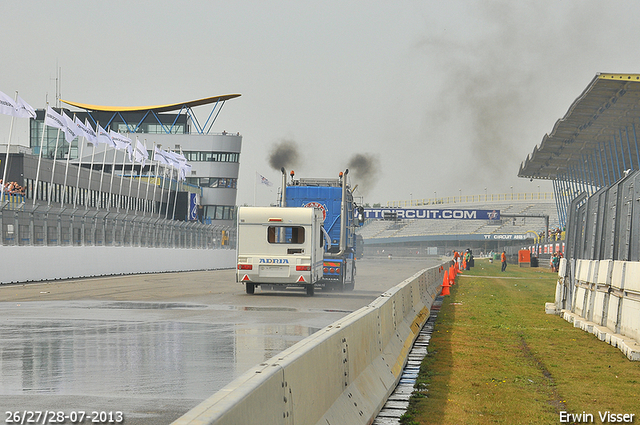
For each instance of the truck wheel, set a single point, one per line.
(250, 288)
(310, 290)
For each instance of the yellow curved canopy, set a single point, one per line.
(157, 108)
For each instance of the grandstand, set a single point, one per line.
(449, 234)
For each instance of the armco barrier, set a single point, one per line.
(602, 297)
(342, 374)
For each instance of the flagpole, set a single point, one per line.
(66, 170)
(93, 153)
(104, 159)
(75, 197)
(113, 166)
(53, 168)
(130, 178)
(6, 159)
(162, 192)
(144, 204)
(175, 199)
(155, 180)
(166, 210)
(255, 186)
(44, 130)
(164, 171)
(124, 159)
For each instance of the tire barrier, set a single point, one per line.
(341, 374)
(601, 297)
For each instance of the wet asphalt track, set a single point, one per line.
(153, 346)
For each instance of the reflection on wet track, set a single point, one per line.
(101, 357)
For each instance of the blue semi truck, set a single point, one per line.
(341, 215)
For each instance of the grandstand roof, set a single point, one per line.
(155, 108)
(604, 113)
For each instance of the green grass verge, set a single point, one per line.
(496, 357)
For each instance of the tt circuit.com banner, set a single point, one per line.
(430, 213)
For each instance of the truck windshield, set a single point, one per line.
(285, 234)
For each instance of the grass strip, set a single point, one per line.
(496, 357)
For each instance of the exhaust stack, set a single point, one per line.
(343, 213)
(283, 194)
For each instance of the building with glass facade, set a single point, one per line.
(214, 158)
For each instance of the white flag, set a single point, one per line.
(121, 141)
(72, 130)
(185, 170)
(54, 119)
(7, 105)
(262, 179)
(104, 137)
(87, 131)
(159, 155)
(139, 154)
(25, 110)
(174, 159)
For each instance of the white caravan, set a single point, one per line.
(279, 246)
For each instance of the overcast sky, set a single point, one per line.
(443, 97)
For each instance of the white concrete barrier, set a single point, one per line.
(342, 374)
(66, 262)
(606, 301)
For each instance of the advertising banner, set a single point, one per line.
(431, 214)
(193, 207)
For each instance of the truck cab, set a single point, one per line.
(335, 199)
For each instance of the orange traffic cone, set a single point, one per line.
(445, 283)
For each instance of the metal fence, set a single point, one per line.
(606, 225)
(25, 225)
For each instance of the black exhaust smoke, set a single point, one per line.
(366, 170)
(284, 154)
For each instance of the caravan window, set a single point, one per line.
(285, 234)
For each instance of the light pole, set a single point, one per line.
(411, 199)
(435, 197)
(512, 193)
(485, 194)
(460, 195)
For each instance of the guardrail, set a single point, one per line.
(342, 374)
(601, 297)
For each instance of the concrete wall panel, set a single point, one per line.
(606, 302)
(341, 374)
(630, 318)
(632, 277)
(617, 274)
(604, 272)
(66, 262)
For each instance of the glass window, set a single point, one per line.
(285, 234)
